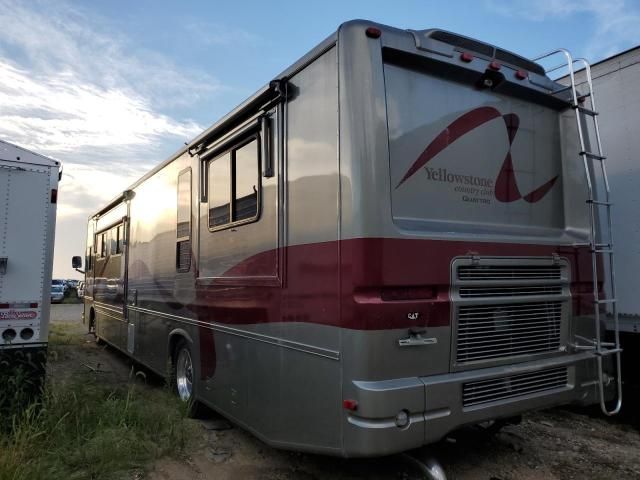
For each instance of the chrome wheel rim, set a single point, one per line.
(184, 375)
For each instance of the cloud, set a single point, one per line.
(64, 115)
(617, 21)
(74, 87)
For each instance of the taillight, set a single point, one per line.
(466, 57)
(350, 404)
(373, 32)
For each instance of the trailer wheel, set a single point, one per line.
(184, 376)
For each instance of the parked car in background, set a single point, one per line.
(72, 283)
(57, 293)
(60, 282)
(80, 289)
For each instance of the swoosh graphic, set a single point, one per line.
(506, 188)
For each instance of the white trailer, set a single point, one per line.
(28, 195)
(617, 81)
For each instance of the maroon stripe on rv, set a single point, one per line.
(366, 284)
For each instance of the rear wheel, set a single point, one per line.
(184, 377)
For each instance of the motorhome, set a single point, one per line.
(395, 237)
(28, 193)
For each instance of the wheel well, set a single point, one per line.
(174, 340)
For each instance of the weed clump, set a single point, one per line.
(91, 431)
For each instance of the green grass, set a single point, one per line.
(90, 430)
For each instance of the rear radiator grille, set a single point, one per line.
(521, 290)
(496, 389)
(510, 272)
(505, 330)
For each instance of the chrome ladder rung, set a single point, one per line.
(595, 156)
(607, 352)
(605, 301)
(586, 111)
(602, 250)
(600, 202)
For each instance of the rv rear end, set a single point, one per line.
(466, 271)
(28, 189)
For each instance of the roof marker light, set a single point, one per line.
(466, 57)
(350, 404)
(522, 74)
(373, 32)
(495, 66)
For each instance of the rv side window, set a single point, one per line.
(219, 190)
(101, 251)
(234, 186)
(113, 241)
(89, 260)
(119, 238)
(245, 196)
(183, 221)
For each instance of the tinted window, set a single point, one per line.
(245, 204)
(120, 238)
(219, 190)
(184, 205)
(113, 237)
(183, 223)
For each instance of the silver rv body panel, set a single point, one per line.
(320, 303)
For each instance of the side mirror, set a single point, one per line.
(76, 262)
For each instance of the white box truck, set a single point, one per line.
(28, 196)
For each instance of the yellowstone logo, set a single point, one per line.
(505, 187)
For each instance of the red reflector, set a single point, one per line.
(466, 57)
(54, 195)
(521, 74)
(350, 405)
(495, 66)
(33, 305)
(373, 32)
(4, 305)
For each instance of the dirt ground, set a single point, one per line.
(553, 444)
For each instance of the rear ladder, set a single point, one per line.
(599, 245)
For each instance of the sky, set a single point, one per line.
(113, 88)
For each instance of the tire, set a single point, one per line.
(184, 376)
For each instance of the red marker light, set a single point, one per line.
(373, 32)
(495, 66)
(466, 57)
(521, 74)
(350, 404)
(33, 305)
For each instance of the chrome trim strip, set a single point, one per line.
(107, 306)
(102, 312)
(280, 342)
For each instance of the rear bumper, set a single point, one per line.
(437, 405)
